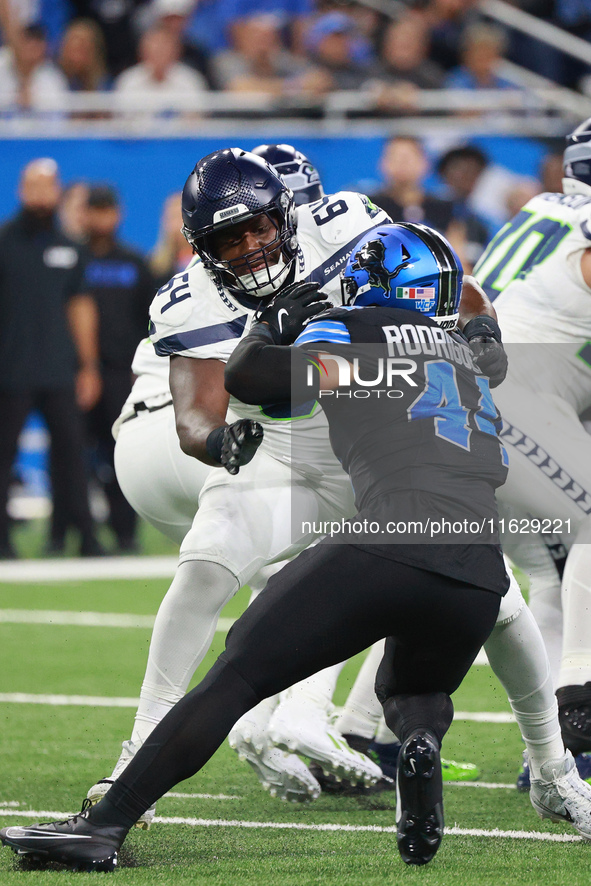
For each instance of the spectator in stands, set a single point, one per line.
(406, 66)
(160, 82)
(174, 16)
(214, 24)
(404, 166)
(52, 15)
(335, 46)
(171, 253)
(72, 211)
(82, 56)
(459, 169)
(259, 62)
(116, 19)
(48, 350)
(28, 78)
(123, 287)
(485, 188)
(483, 47)
(405, 53)
(446, 21)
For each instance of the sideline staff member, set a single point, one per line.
(48, 348)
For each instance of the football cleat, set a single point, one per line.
(292, 729)
(285, 776)
(419, 799)
(75, 842)
(574, 713)
(98, 790)
(583, 763)
(560, 794)
(385, 755)
(451, 770)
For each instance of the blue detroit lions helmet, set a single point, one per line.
(296, 171)
(406, 266)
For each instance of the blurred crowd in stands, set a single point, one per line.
(82, 297)
(158, 50)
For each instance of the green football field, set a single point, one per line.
(67, 693)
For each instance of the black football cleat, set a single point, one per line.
(76, 842)
(419, 794)
(574, 713)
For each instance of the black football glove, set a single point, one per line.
(235, 445)
(484, 338)
(290, 310)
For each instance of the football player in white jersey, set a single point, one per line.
(149, 447)
(241, 220)
(540, 262)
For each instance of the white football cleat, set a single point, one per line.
(285, 776)
(98, 790)
(560, 794)
(306, 729)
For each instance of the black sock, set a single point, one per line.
(406, 714)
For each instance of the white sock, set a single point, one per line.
(518, 657)
(183, 631)
(534, 559)
(576, 608)
(316, 691)
(362, 711)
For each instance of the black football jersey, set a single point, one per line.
(414, 424)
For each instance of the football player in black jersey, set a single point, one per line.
(429, 452)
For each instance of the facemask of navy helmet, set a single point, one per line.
(298, 173)
(227, 188)
(577, 161)
(406, 266)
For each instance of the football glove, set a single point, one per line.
(235, 445)
(291, 309)
(484, 337)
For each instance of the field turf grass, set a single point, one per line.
(52, 754)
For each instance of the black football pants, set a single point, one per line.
(330, 603)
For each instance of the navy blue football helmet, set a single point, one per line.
(577, 161)
(296, 171)
(229, 187)
(405, 266)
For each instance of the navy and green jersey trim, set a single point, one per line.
(197, 338)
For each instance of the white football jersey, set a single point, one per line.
(194, 317)
(535, 263)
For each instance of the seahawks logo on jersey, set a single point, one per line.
(370, 258)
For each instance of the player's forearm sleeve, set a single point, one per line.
(260, 371)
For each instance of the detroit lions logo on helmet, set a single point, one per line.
(370, 258)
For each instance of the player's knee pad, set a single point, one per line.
(512, 603)
(211, 583)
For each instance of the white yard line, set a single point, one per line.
(301, 826)
(87, 569)
(92, 701)
(88, 619)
